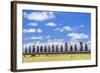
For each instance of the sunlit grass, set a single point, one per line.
(56, 57)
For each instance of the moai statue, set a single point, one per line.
(53, 48)
(33, 49)
(37, 49)
(71, 48)
(29, 49)
(49, 49)
(86, 47)
(57, 49)
(45, 48)
(81, 46)
(61, 48)
(66, 47)
(75, 47)
(26, 51)
(41, 48)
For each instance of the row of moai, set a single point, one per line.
(57, 48)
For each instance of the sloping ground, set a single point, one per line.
(56, 57)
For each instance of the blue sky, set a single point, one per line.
(44, 26)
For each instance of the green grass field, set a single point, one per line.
(56, 57)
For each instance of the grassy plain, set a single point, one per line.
(55, 57)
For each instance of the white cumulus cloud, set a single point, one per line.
(33, 24)
(82, 26)
(32, 30)
(39, 16)
(29, 30)
(51, 24)
(65, 28)
(61, 30)
(57, 29)
(36, 37)
(47, 36)
(77, 35)
(59, 40)
(25, 14)
(39, 30)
